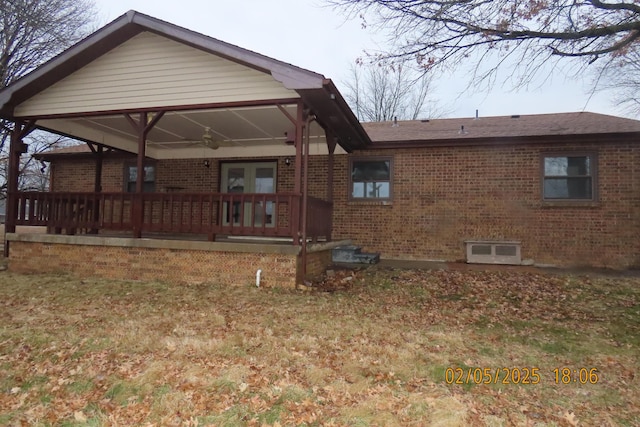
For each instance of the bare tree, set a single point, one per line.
(380, 93)
(621, 76)
(34, 174)
(32, 32)
(531, 33)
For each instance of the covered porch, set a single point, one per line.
(152, 93)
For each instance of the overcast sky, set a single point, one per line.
(309, 35)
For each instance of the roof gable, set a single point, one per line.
(128, 26)
(150, 71)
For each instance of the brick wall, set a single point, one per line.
(317, 263)
(444, 196)
(170, 265)
(185, 175)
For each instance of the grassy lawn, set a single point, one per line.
(381, 351)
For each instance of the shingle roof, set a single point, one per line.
(581, 123)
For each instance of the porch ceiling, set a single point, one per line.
(179, 134)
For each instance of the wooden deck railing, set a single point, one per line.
(199, 213)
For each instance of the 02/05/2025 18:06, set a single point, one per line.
(519, 375)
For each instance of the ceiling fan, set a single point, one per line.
(208, 140)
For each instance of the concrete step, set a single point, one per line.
(351, 254)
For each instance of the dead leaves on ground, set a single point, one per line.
(366, 351)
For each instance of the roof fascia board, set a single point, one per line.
(329, 102)
(508, 140)
(333, 92)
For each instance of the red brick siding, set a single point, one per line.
(444, 196)
(183, 175)
(317, 264)
(170, 265)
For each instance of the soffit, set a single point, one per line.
(258, 131)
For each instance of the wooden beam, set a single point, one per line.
(305, 199)
(286, 113)
(143, 126)
(138, 204)
(16, 149)
(12, 180)
(172, 108)
(97, 183)
(297, 180)
(154, 121)
(331, 145)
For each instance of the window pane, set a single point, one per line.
(567, 166)
(377, 189)
(371, 170)
(371, 179)
(264, 180)
(358, 189)
(567, 188)
(149, 173)
(235, 180)
(149, 178)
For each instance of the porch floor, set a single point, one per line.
(22, 229)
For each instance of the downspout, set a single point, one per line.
(305, 194)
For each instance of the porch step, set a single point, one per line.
(351, 254)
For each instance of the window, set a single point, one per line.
(131, 175)
(568, 177)
(371, 178)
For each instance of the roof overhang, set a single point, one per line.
(241, 124)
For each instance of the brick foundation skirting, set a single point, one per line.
(173, 265)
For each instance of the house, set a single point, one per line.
(254, 169)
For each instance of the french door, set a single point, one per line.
(240, 178)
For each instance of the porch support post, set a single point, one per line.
(297, 180)
(16, 148)
(143, 127)
(98, 150)
(138, 208)
(305, 198)
(331, 146)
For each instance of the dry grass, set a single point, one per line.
(98, 352)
